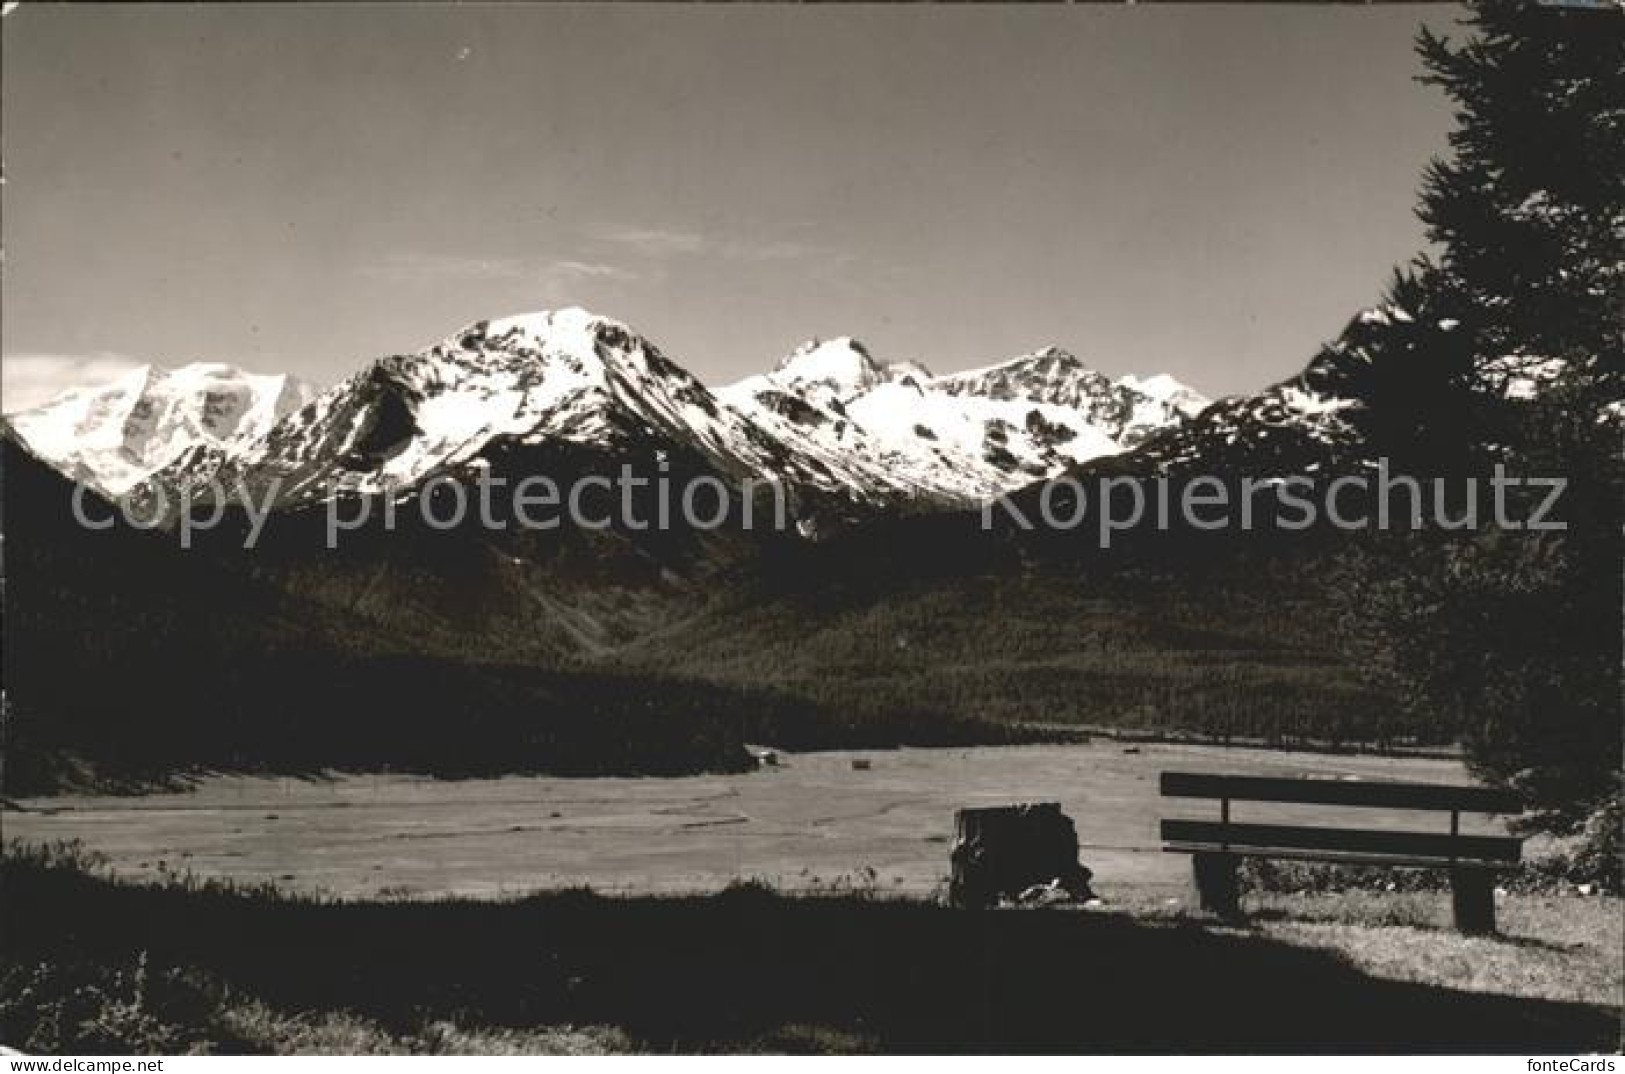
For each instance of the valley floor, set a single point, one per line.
(788, 909)
(814, 822)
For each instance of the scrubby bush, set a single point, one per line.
(84, 1008)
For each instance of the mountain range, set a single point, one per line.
(831, 423)
(625, 649)
(860, 446)
(850, 437)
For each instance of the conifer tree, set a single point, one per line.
(1528, 208)
(1515, 636)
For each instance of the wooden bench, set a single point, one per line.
(1217, 847)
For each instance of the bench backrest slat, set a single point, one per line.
(1255, 837)
(1380, 794)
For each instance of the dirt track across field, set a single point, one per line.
(815, 822)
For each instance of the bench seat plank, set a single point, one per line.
(1258, 838)
(1375, 793)
(1330, 857)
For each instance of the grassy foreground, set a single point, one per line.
(94, 965)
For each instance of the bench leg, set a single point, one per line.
(1472, 898)
(1217, 886)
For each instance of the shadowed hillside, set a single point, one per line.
(1197, 637)
(127, 659)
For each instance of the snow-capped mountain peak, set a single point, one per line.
(1050, 375)
(113, 436)
(842, 365)
(830, 371)
(560, 377)
(1162, 387)
(967, 435)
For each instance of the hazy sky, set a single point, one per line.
(1209, 191)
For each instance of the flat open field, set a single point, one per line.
(756, 971)
(815, 822)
